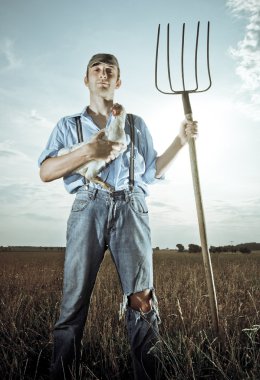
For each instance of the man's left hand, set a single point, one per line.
(188, 129)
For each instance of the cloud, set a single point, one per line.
(18, 193)
(163, 206)
(8, 55)
(7, 151)
(21, 190)
(32, 212)
(34, 115)
(247, 54)
(245, 212)
(34, 216)
(240, 6)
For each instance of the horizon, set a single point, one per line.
(154, 248)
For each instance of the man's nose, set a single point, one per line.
(103, 74)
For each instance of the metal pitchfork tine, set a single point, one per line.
(193, 157)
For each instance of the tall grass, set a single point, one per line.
(30, 293)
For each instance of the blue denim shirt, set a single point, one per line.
(117, 172)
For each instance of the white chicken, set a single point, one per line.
(115, 133)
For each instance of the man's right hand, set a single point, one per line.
(100, 149)
(97, 149)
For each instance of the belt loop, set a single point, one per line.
(126, 195)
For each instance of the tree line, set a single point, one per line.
(243, 248)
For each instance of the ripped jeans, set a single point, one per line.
(119, 221)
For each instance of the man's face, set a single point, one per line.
(102, 79)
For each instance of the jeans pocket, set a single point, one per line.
(138, 204)
(80, 205)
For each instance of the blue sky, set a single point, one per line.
(44, 49)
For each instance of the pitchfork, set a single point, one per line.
(184, 92)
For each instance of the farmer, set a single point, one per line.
(116, 219)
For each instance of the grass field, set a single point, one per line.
(31, 284)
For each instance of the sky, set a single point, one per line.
(44, 50)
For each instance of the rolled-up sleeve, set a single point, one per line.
(54, 144)
(149, 154)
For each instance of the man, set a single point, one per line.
(101, 219)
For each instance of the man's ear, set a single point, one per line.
(86, 80)
(118, 83)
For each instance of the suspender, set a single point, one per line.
(79, 129)
(130, 120)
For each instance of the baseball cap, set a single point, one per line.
(109, 59)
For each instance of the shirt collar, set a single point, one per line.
(85, 114)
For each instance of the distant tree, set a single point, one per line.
(251, 246)
(244, 250)
(180, 247)
(194, 248)
(231, 248)
(157, 249)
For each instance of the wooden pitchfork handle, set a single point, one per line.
(201, 218)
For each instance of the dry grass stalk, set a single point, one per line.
(30, 294)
